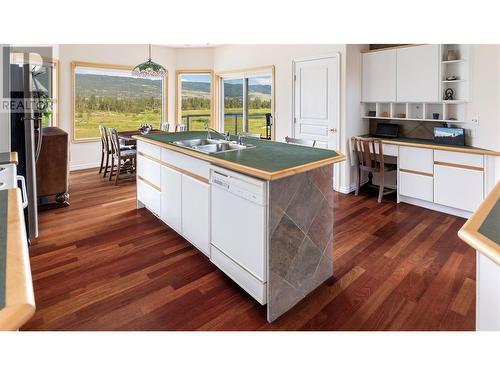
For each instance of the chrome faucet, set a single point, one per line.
(225, 136)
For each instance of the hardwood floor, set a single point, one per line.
(100, 264)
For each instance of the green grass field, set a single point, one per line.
(87, 124)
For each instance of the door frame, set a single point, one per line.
(336, 169)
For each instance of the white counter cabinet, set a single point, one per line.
(175, 188)
(196, 212)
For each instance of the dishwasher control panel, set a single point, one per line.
(243, 186)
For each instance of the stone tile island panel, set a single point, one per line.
(300, 237)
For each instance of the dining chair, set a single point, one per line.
(300, 141)
(164, 126)
(104, 149)
(181, 128)
(125, 158)
(247, 134)
(370, 156)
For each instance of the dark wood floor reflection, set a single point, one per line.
(100, 264)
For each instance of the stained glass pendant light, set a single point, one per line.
(149, 69)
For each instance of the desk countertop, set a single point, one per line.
(429, 143)
(482, 230)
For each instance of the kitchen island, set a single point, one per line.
(262, 211)
(482, 232)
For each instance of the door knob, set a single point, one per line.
(333, 130)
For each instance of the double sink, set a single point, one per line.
(212, 146)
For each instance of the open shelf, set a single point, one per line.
(411, 119)
(423, 112)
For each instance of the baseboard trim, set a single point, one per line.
(77, 167)
(435, 207)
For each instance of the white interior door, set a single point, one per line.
(316, 102)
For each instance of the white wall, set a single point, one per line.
(86, 155)
(194, 58)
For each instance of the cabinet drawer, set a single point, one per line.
(252, 285)
(416, 186)
(389, 150)
(416, 159)
(149, 170)
(7, 176)
(149, 149)
(459, 158)
(185, 162)
(458, 187)
(149, 196)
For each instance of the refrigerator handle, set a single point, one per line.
(23, 190)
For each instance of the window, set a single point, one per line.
(111, 96)
(247, 102)
(45, 78)
(194, 99)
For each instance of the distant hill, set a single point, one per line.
(121, 87)
(230, 90)
(124, 87)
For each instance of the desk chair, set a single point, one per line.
(371, 159)
(299, 141)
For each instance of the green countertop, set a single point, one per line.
(267, 156)
(490, 228)
(3, 244)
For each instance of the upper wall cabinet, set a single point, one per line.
(379, 76)
(418, 74)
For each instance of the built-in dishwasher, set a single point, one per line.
(238, 229)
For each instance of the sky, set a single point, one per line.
(104, 71)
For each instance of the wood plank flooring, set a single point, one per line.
(100, 264)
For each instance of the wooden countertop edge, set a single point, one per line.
(19, 296)
(13, 159)
(469, 231)
(245, 169)
(439, 147)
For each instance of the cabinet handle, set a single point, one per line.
(333, 130)
(2, 169)
(2, 184)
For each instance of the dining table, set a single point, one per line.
(126, 136)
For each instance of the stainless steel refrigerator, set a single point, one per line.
(24, 124)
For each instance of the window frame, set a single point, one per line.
(86, 64)
(178, 99)
(243, 73)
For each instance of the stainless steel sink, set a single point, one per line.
(191, 143)
(212, 146)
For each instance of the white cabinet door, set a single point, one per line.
(379, 76)
(418, 74)
(171, 193)
(458, 187)
(196, 213)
